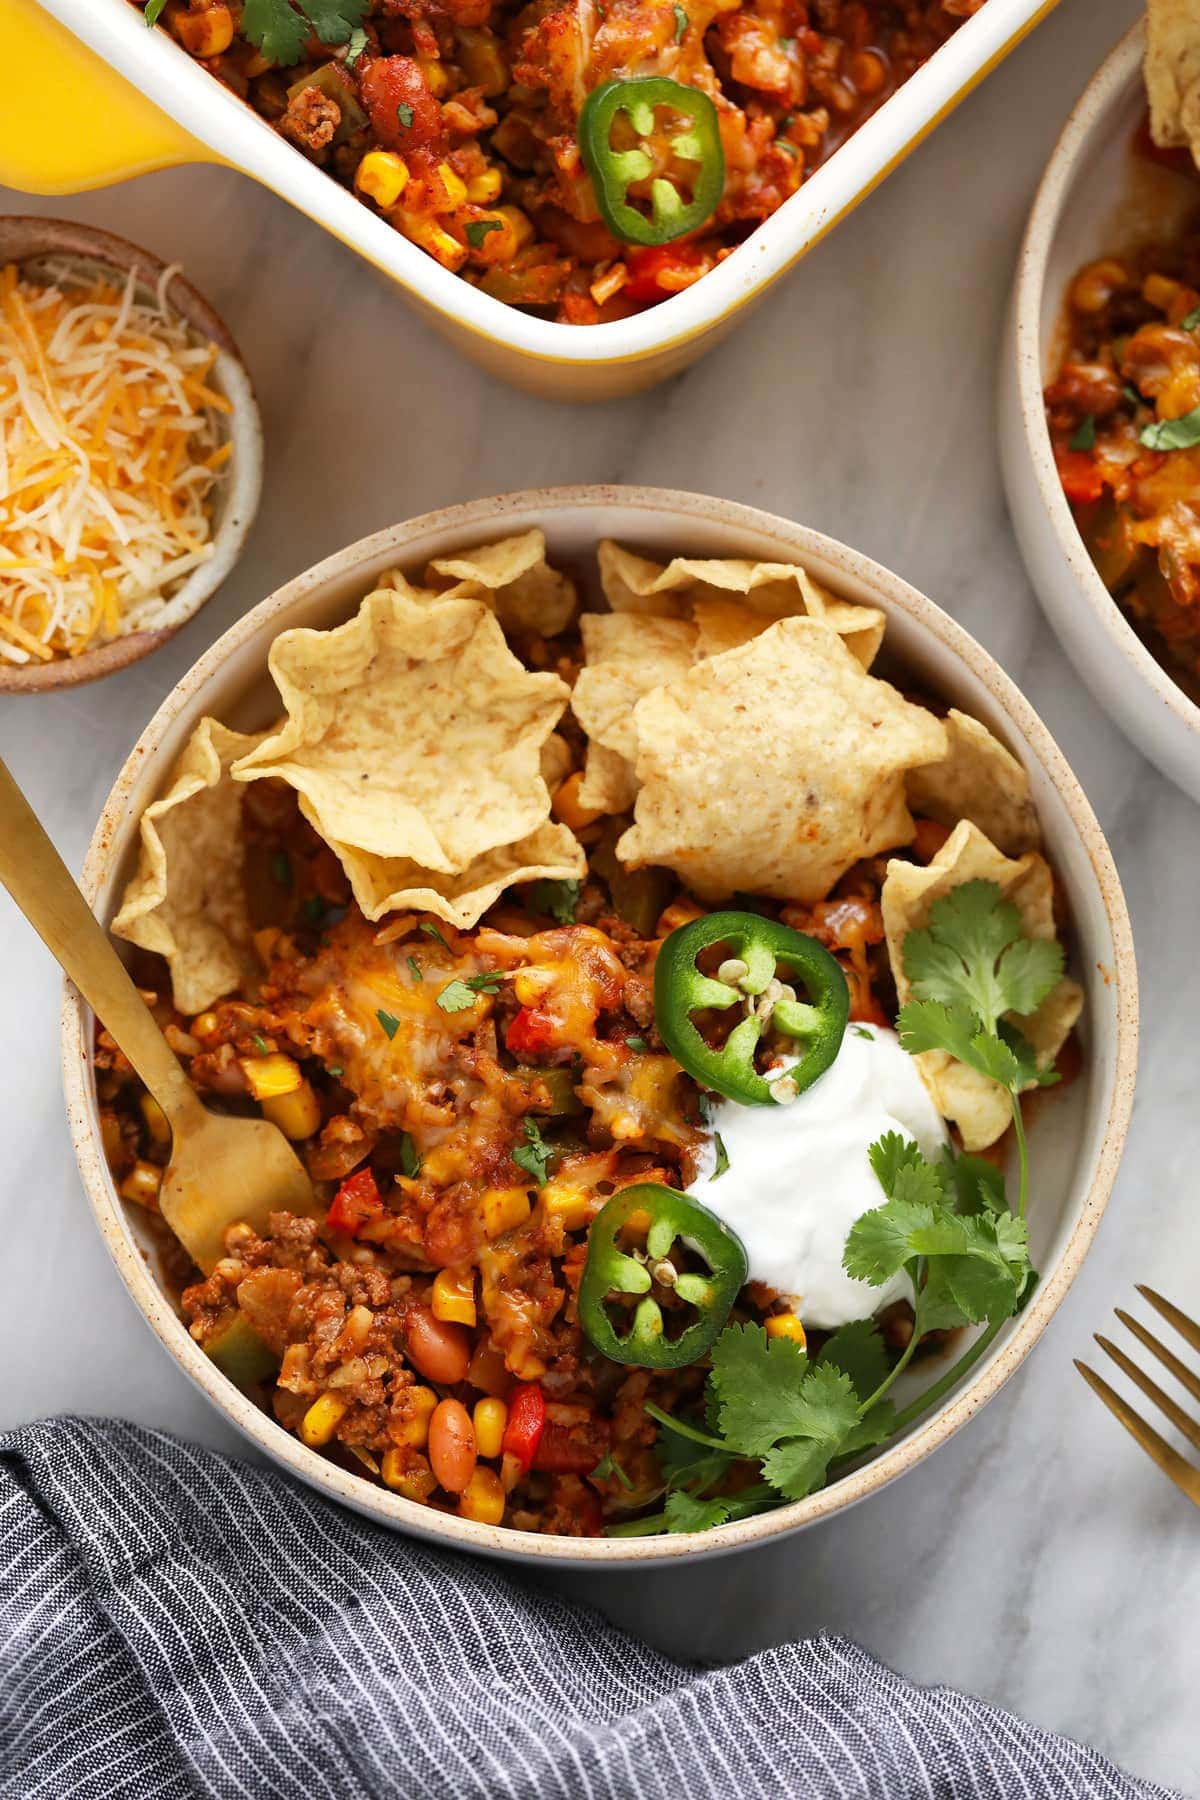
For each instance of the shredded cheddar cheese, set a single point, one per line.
(111, 443)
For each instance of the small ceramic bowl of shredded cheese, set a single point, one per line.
(130, 453)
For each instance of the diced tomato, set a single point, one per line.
(530, 1031)
(356, 1202)
(403, 111)
(572, 1449)
(1080, 475)
(664, 269)
(526, 1423)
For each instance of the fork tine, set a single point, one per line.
(1187, 1328)
(1189, 1427)
(1167, 1358)
(1181, 1472)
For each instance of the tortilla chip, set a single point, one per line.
(979, 1107)
(556, 761)
(515, 578)
(978, 780)
(186, 901)
(627, 654)
(1173, 73)
(769, 590)
(774, 767)
(393, 884)
(413, 732)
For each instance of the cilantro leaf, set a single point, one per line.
(410, 1157)
(334, 20)
(390, 1023)
(931, 1025)
(608, 1468)
(534, 1154)
(755, 1381)
(873, 1428)
(557, 899)
(1190, 320)
(722, 1162)
(892, 1155)
(456, 996)
(404, 113)
(433, 932)
(154, 11)
(355, 45)
(1173, 434)
(260, 1044)
(276, 29)
(1084, 437)
(978, 1184)
(798, 1467)
(684, 1463)
(681, 21)
(638, 1045)
(880, 1243)
(476, 231)
(684, 1512)
(859, 1352)
(414, 968)
(972, 956)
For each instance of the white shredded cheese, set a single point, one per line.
(111, 442)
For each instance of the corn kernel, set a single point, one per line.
(207, 33)
(454, 1296)
(415, 1429)
(382, 176)
(485, 187)
(156, 1119)
(142, 1184)
(322, 1419)
(445, 1163)
(786, 1325)
(566, 807)
(530, 984)
(483, 1498)
(680, 912)
(453, 183)
(436, 78)
(504, 1209)
(297, 1115)
(481, 61)
(567, 1202)
(269, 1076)
(414, 1482)
(520, 227)
(112, 1139)
(430, 236)
(489, 1419)
(204, 1024)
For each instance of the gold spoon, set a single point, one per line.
(221, 1169)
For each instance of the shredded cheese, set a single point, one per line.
(111, 444)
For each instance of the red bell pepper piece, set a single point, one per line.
(1080, 476)
(664, 269)
(529, 1032)
(526, 1423)
(356, 1202)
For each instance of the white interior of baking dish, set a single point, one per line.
(1076, 1137)
(156, 65)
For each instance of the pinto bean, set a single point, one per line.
(438, 1350)
(452, 1446)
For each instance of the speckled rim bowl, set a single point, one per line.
(28, 240)
(1076, 1142)
(1093, 201)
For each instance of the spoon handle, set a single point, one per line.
(42, 886)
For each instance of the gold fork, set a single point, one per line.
(1183, 1473)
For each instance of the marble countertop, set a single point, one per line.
(1038, 1559)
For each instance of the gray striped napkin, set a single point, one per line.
(174, 1624)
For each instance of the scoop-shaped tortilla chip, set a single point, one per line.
(527, 594)
(627, 654)
(394, 884)
(186, 901)
(768, 591)
(1173, 73)
(978, 779)
(772, 768)
(979, 1107)
(412, 733)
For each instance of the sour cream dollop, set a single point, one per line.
(799, 1175)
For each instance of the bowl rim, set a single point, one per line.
(27, 238)
(990, 1373)
(238, 138)
(1104, 92)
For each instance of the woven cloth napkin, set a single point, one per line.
(174, 1624)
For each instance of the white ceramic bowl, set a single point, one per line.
(235, 499)
(1076, 1140)
(1095, 199)
(89, 127)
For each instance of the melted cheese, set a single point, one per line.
(110, 445)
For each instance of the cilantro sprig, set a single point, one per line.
(458, 994)
(534, 1154)
(969, 968)
(280, 29)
